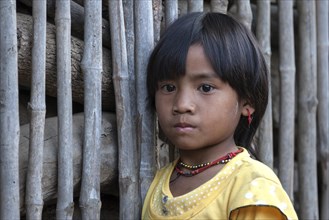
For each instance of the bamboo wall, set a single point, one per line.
(293, 136)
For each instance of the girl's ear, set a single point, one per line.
(247, 107)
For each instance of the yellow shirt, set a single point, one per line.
(243, 189)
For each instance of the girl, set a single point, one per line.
(207, 80)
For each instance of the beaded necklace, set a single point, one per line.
(196, 169)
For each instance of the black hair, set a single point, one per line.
(233, 53)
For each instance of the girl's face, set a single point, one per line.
(198, 110)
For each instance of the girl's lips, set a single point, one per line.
(183, 127)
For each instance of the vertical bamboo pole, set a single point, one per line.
(146, 124)
(323, 96)
(171, 11)
(9, 117)
(244, 12)
(130, 203)
(287, 95)
(195, 5)
(183, 7)
(37, 106)
(128, 9)
(92, 68)
(307, 104)
(129, 107)
(128, 14)
(219, 6)
(263, 33)
(157, 14)
(65, 205)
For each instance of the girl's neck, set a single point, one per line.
(206, 154)
(181, 184)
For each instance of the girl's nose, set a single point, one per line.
(183, 103)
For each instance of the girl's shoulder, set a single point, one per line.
(250, 169)
(256, 184)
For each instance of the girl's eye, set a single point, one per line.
(168, 88)
(206, 88)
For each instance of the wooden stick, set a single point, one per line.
(37, 106)
(130, 202)
(219, 6)
(244, 13)
(92, 68)
(65, 205)
(323, 117)
(157, 14)
(287, 71)
(307, 104)
(171, 11)
(9, 118)
(109, 149)
(146, 126)
(263, 31)
(77, 20)
(25, 41)
(195, 5)
(128, 8)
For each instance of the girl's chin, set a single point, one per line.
(188, 148)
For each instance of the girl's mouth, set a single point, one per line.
(183, 127)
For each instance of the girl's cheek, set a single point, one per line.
(236, 109)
